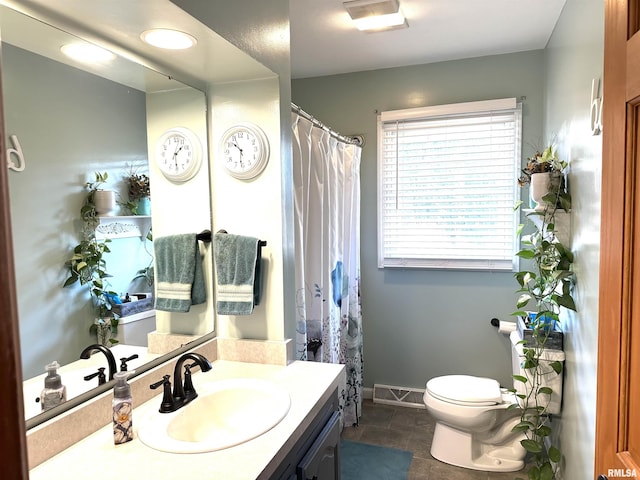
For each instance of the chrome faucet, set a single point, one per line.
(183, 393)
(86, 353)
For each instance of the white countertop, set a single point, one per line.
(308, 383)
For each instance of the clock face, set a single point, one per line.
(245, 151)
(178, 154)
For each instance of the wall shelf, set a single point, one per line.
(123, 227)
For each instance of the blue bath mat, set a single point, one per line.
(360, 461)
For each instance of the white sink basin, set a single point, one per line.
(226, 413)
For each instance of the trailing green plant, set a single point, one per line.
(147, 273)
(547, 288)
(87, 265)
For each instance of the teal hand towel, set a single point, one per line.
(237, 273)
(179, 274)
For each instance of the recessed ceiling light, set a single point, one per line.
(168, 39)
(87, 53)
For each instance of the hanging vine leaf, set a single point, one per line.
(554, 454)
(531, 445)
(557, 367)
(546, 472)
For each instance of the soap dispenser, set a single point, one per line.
(54, 392)
(122, 409)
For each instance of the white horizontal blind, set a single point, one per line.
(447, 186)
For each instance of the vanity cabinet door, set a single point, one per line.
(311, 440)
(322, 460)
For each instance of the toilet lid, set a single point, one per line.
(465, 390)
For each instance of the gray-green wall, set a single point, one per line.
(573, 58)
(419, 324)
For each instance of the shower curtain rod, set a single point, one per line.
(355, 140)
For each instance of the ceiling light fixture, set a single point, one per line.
(87, 53)
(375, 15)
(168, 39)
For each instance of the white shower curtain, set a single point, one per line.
(327, 226)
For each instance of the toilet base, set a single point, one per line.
(458, 448)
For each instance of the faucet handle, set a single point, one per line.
(167, 405)
(124, 360)
(189, 390)
(102, 378)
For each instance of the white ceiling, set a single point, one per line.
(325, 42)
(323, 39)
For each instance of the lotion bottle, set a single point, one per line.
(54, 392)
(122, 409)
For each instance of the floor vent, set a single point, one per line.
(403, 396)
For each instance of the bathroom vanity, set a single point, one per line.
(304, 444)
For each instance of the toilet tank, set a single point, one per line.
(550, 379)
(134, 329)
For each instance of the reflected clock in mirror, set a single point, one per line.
(179, 154)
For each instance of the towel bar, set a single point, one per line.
(204, 236)
(261, 243)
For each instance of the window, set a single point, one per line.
(447, 185)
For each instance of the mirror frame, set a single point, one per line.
(13, 431)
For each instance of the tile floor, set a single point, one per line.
(412, 429)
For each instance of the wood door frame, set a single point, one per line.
(617, 239)
(12, 424)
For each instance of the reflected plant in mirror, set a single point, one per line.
(138, 191)
(88, 266)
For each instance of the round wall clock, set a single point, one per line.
(245, 151)
(179, 154)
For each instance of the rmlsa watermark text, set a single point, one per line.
(621, 473)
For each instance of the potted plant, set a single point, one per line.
(545, 172)
(102, 202)
(87, 266)
(546, 288)
(139, 193)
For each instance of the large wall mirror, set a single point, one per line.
(65, 122)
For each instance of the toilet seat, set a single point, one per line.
(465, 390)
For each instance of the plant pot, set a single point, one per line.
(555, 341)
(540, 183)
(105, 202)
(143, 206)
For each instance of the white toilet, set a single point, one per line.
(474, 421)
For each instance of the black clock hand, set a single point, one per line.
(238, 147)
(175, 156)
